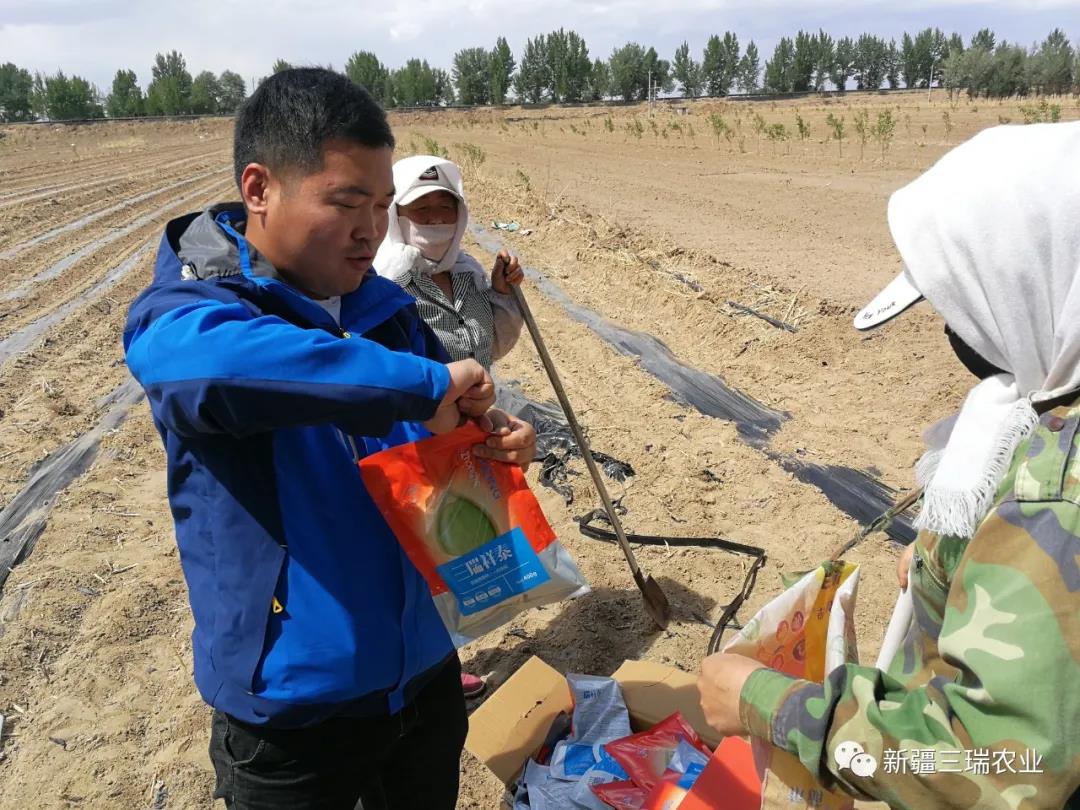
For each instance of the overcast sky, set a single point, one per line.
(95, 37)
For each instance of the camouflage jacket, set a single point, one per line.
(981, 706)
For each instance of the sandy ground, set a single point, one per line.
(95, 659)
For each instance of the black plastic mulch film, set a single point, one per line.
(856, 493)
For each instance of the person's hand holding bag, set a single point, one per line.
(471, 393)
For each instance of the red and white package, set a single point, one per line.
(645, 756)
(621, 795)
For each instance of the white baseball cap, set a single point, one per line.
(430, 180)
(900, 295)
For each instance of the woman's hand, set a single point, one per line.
(510, 439)
(506, 271)
(720, 684)
(903, 565)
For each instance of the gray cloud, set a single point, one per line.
(95, 37)
(17, 13)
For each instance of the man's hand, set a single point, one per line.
(446, 418)
(477, 400)
(720, 683)
(511, 439)
(470, 393)
(506, 271)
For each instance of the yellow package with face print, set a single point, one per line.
(473, 529)
(806, 632)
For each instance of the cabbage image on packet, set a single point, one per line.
(473, 529)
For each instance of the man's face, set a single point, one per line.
(321, 230)
(435, 208)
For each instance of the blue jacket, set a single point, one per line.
(305, 605)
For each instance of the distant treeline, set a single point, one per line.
(557, 68)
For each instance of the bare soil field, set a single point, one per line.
(655, 228)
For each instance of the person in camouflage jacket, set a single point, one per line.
(980, 707)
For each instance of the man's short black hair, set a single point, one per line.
(289, 118)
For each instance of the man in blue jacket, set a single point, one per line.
(274, 358)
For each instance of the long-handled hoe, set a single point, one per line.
(656, 601)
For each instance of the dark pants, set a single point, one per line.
(398, 762)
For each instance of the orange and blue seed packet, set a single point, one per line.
(473, 529)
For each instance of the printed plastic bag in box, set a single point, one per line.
(807, 631)
(474, 530)
(599, 716)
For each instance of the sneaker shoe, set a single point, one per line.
(471, 685)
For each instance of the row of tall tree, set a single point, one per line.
(930, 58)
(556, 67)
(721, 68)
(415, 83)
(1001, 69)
(172, 91)
(24, 97)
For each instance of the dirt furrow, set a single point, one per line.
(25, 222)
(64, 161)
(15, 271)
(150, 167)
(83, 221)
(22, 339)
(54, 285)
(58, 268)
(24, 519)
(74, 358)
(49, 387)
(832, 381)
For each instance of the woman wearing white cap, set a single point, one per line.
(470, 310)
(980, 707)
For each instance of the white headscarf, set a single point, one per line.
(395, 258)
(991, 237)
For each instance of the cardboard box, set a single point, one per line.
(511, 724)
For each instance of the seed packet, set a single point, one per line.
(622, 795)
(473, 529)
(599, 715)
(648, 754)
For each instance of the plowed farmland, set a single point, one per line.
(658, 225)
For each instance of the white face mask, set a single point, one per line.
(432, 240)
